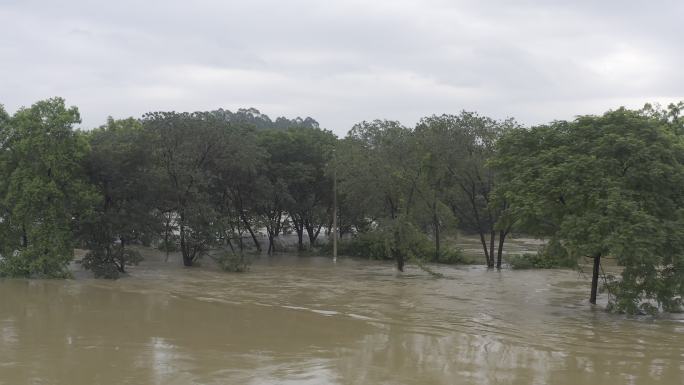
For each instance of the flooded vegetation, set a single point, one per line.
(414, 192)
(207, 250)
(307, 320)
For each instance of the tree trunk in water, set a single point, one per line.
(483, 240)
(187, 261)
(166, 241)
(108, 255)
(492, 238)
(502, 238)
(300, 239)
(313, 233)
(271, 246)
(594, 279)
(399, 256)
(398, 253)
(251, 232)
(24, 237)
(328, 229)
(230, 244)
(299, 229)
(435, 223)
(185, 251)
(312, 236)
(241, 245)
(122, 266)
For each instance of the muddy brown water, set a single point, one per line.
(306, 320)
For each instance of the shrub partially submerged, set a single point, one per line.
(27, 264)
(538, 261)
(108, 263)
(169, 245)
(552, 256)
(623, 297)
(377, 245)
(371, 245)
(233, 262)
(453, 257)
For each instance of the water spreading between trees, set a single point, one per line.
(210, 183)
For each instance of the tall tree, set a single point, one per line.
(457, 149)
(45, 191)
(120, 167)
(274, 199)
(605, 186)
(377, 170)
(188, 147)
(234, 189)
(304, 155)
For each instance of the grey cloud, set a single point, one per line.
(342, 61)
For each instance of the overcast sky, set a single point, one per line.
(342, 62)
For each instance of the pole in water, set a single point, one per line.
(335, 215)
(594, 278)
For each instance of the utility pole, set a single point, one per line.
(335, 214)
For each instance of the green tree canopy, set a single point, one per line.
(188, 148)
(378, 171)
(456, 149)
(607, 185)
(120, 167)
(45, 191)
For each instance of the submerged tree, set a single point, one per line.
(188, 147)
(457, 149)
(605, 186)
(378, 171)
(121, 168)
(300, 155)
(233, 188)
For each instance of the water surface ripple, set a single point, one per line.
(308, 321)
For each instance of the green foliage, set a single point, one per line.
(109, 263)
(100, 267)
(538, 261)
(170, 245)
(430, 179)
(43, 190)
(378, 171)
(188, 149)
(378, 245)
(120, 168)
(621, 299)
(23, 264)
(234, 262)
(452, 257)
(370, 245)
(304, 156)
(406, 238)
(455, 150)
(552, 256)
(253, 117)
(605, 185)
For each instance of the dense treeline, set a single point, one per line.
(605, 186)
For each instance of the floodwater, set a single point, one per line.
(308, 320)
